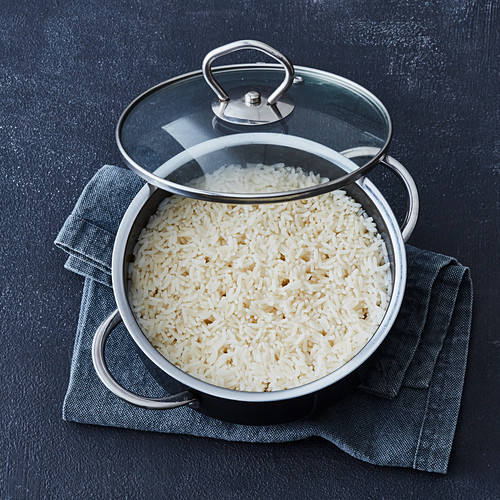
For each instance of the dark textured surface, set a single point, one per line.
(67, 69)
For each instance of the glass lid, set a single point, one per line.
(253, 133)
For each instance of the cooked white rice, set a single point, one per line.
(259, 297)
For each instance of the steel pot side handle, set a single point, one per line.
(98, 358)
(413, 206)
(396, 167)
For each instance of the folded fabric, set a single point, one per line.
(404, 413)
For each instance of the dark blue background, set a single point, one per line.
(68, 69)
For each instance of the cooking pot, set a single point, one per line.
(177, 132)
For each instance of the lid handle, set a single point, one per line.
(243, 45)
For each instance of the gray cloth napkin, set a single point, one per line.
(404, 413)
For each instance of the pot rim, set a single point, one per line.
(398, 287)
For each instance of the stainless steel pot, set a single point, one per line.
(246, 407)
(308, 118)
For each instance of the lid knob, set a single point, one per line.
(249, 107)
(252, 97)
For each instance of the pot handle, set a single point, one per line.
(98, 358)
(242, 45)
(389, 162)
(413, 205)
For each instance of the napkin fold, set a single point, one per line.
(403, 414)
